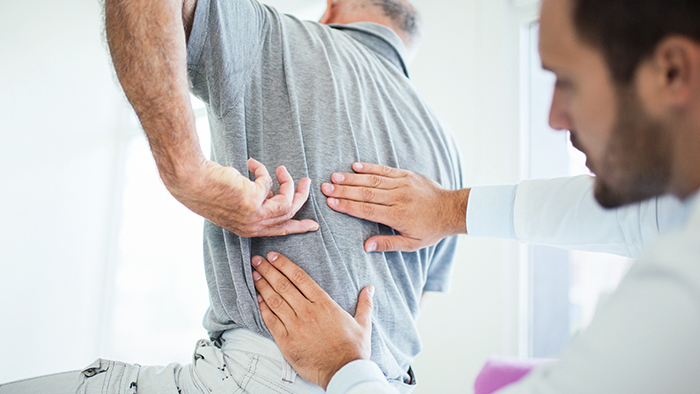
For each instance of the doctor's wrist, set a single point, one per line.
(455, 211)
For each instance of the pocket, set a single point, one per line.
(405, 387)
(212, 373)
(109, 377)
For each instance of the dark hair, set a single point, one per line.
(402, 13)
(628, 31)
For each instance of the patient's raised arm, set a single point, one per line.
(418, 208)
(147, 41)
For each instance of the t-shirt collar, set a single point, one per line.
(380, 39)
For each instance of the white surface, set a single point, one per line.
(62, 127)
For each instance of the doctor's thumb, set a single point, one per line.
(391, 243)
(365, 304)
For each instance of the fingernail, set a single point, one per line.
(358, 166)
(256, 276)
(272, 256)
(371, 247)
(338, 178)
(333, 201)
(370, 291)
(256, 260)
(328, 188)
(260, 299)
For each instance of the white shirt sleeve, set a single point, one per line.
(360, 377)
(563, 212)
(644, 338)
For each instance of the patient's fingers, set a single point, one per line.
(286, 227)
(279, 282)
(376, 196)
(373, 212)
(299, 278)
(262, 176)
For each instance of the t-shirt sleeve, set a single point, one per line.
(225, 44)
(440, 271)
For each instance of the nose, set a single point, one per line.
(558, 116)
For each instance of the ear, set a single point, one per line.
(328, 15)
(677, 65)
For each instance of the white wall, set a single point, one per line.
(59, 167)
(64, 125)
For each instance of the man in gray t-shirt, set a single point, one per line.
(317, 98)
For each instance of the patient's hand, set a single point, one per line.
(248, 209)
(315, 335)
(418, 208)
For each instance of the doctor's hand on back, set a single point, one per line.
(316, 336)
(417, 207)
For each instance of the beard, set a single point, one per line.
(637, 162)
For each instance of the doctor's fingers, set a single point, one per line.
(281, 282)
(273, 323)
(378, 169)
(277, 304)
(367, 180)
(387, 215)
(366, 194)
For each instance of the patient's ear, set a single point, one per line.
(328, 15)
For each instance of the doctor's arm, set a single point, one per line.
(557, 212)
(322, 342)
(147, 41)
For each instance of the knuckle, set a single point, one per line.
(375, 181)
(270, 321)
(274, 302)
(299, 277)
(282, 286)
(385, 170)
(248, 207)
(388, 244)
(368, 210)
(367, 194)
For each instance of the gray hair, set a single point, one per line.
(403, 14)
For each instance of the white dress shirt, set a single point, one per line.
(646, 337)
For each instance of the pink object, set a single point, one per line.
(502, 371)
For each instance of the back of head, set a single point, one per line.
(400, 14)
(628, 31)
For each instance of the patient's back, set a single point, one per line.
(316, 99)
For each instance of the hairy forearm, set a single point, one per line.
(455, 211)
(147, 43)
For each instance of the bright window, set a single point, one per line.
(562, 287)
(159, 294)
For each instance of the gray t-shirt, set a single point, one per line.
(316, 99)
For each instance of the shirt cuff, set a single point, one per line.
(353, 374)
(490, 212)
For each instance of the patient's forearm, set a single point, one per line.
(147, 42)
